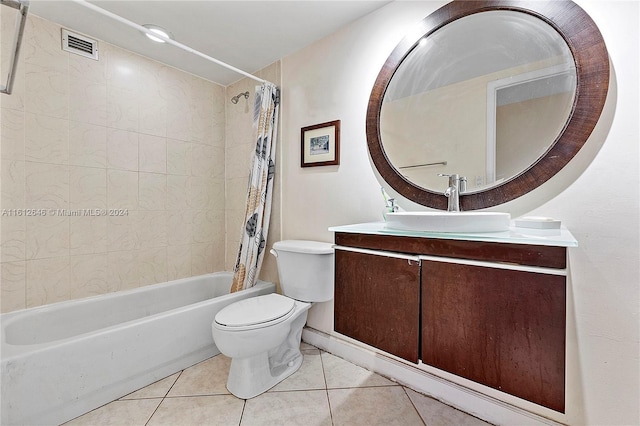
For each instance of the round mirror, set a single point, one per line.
(502, 93)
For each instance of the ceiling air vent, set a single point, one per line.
(80, 45)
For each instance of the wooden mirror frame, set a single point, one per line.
(592, 68)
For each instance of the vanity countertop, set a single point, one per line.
(515, 235)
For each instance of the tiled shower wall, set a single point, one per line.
(123, 133)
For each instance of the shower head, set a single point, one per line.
(235, 99)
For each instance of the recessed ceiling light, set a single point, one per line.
(158, 30)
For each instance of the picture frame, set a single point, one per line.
(320, 144)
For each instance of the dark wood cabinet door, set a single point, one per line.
(499, 327)
(377, 301)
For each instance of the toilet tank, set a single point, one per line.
(305, 269)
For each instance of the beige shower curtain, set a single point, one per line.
(259, 194)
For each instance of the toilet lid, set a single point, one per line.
(255, 310)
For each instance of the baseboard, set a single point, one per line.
(468, 400)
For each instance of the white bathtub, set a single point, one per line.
(62, 360)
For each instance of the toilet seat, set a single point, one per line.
(255, 312)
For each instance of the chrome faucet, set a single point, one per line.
(457, 184)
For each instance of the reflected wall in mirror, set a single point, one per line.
(486, 109)
(504, 93)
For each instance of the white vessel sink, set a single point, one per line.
(441, 221)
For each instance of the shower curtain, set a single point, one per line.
(260, 190)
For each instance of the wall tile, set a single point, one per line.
(177, 92)
(42, 44)
(47, 236)
(152, 265)
(202, 111)
(122, 189)
(13, 231)
(153, 115)
(178, 261)
(199, 192)
(46, 139)
(218, 135)
(16, 100)
(87, 234)
(178, 157)
(217, 163)
(201, 258)
(217, 198)
(238, 160)
(12, 190)
(236, 193)
(152, 189)
(218, 255)
(234, 230)
(12, 130)
(122, 149)
(202, 160)
(179, 227)
(203, 227)
(125, 133)
(88, 102)
(87, 145)
(47, 281)
(87, 188)
(88, 275)
(152, 154)
(122, 68)
(89, 70)
(153, 102)
(152, 229)
(88, 89)
(177, 192)
(7, 28)
(122, 108)
(122, 232)
(13, 289)
(47, 186)
(46, 91)
(122, 270)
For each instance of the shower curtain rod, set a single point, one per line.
(167, 40)
(23, 9)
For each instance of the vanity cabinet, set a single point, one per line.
(499, 327)
(379, 298)
(491, 312)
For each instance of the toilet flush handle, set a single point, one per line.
(273, 252)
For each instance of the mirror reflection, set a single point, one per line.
(485, 97)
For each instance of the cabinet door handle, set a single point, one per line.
(380, 253)
(496, 265)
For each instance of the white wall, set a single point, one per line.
(332, 79)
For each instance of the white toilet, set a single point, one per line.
(262, 334)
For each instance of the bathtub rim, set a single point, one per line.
(10, 351)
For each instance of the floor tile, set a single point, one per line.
(435, 413)
(158, 389)
(309, 376)
(198, 410)
(307, 408)
(386, 405)
(326, 390)
(305, 347)
(342, 374)
(131, 413)
(206, 378)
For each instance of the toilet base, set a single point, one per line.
(251, 376)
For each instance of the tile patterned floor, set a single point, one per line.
(326, 390)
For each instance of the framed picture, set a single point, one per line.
(320, 145)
